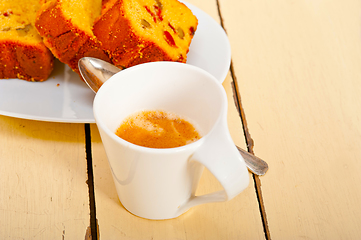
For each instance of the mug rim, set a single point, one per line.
(148, 149)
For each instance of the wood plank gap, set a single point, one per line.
(237, 98)
(248, 138)
(94, 229)
(250, 145)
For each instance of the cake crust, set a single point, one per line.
(119, 35)
(23, 54)
(127, 44)
(66, 41)
(125, 48)
(28, 62)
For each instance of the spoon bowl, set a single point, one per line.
(96, 71)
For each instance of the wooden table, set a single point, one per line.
(294, 92)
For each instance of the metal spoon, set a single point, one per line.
(96, 71)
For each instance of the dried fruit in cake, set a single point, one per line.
(66, 28)
(22, 52)
(123, 32)
(138, 31)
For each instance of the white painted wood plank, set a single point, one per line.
(298, 68)
(43, 173)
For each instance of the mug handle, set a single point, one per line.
(220, 156)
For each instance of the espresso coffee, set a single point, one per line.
(157, 129)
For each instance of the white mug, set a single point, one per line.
(161, 183)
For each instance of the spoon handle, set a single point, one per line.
(254, 164)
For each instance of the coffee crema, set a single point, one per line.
(157, 129)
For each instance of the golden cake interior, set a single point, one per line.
(168, 23)
(17, 20)
(82, 13)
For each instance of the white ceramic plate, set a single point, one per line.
(64, 97)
